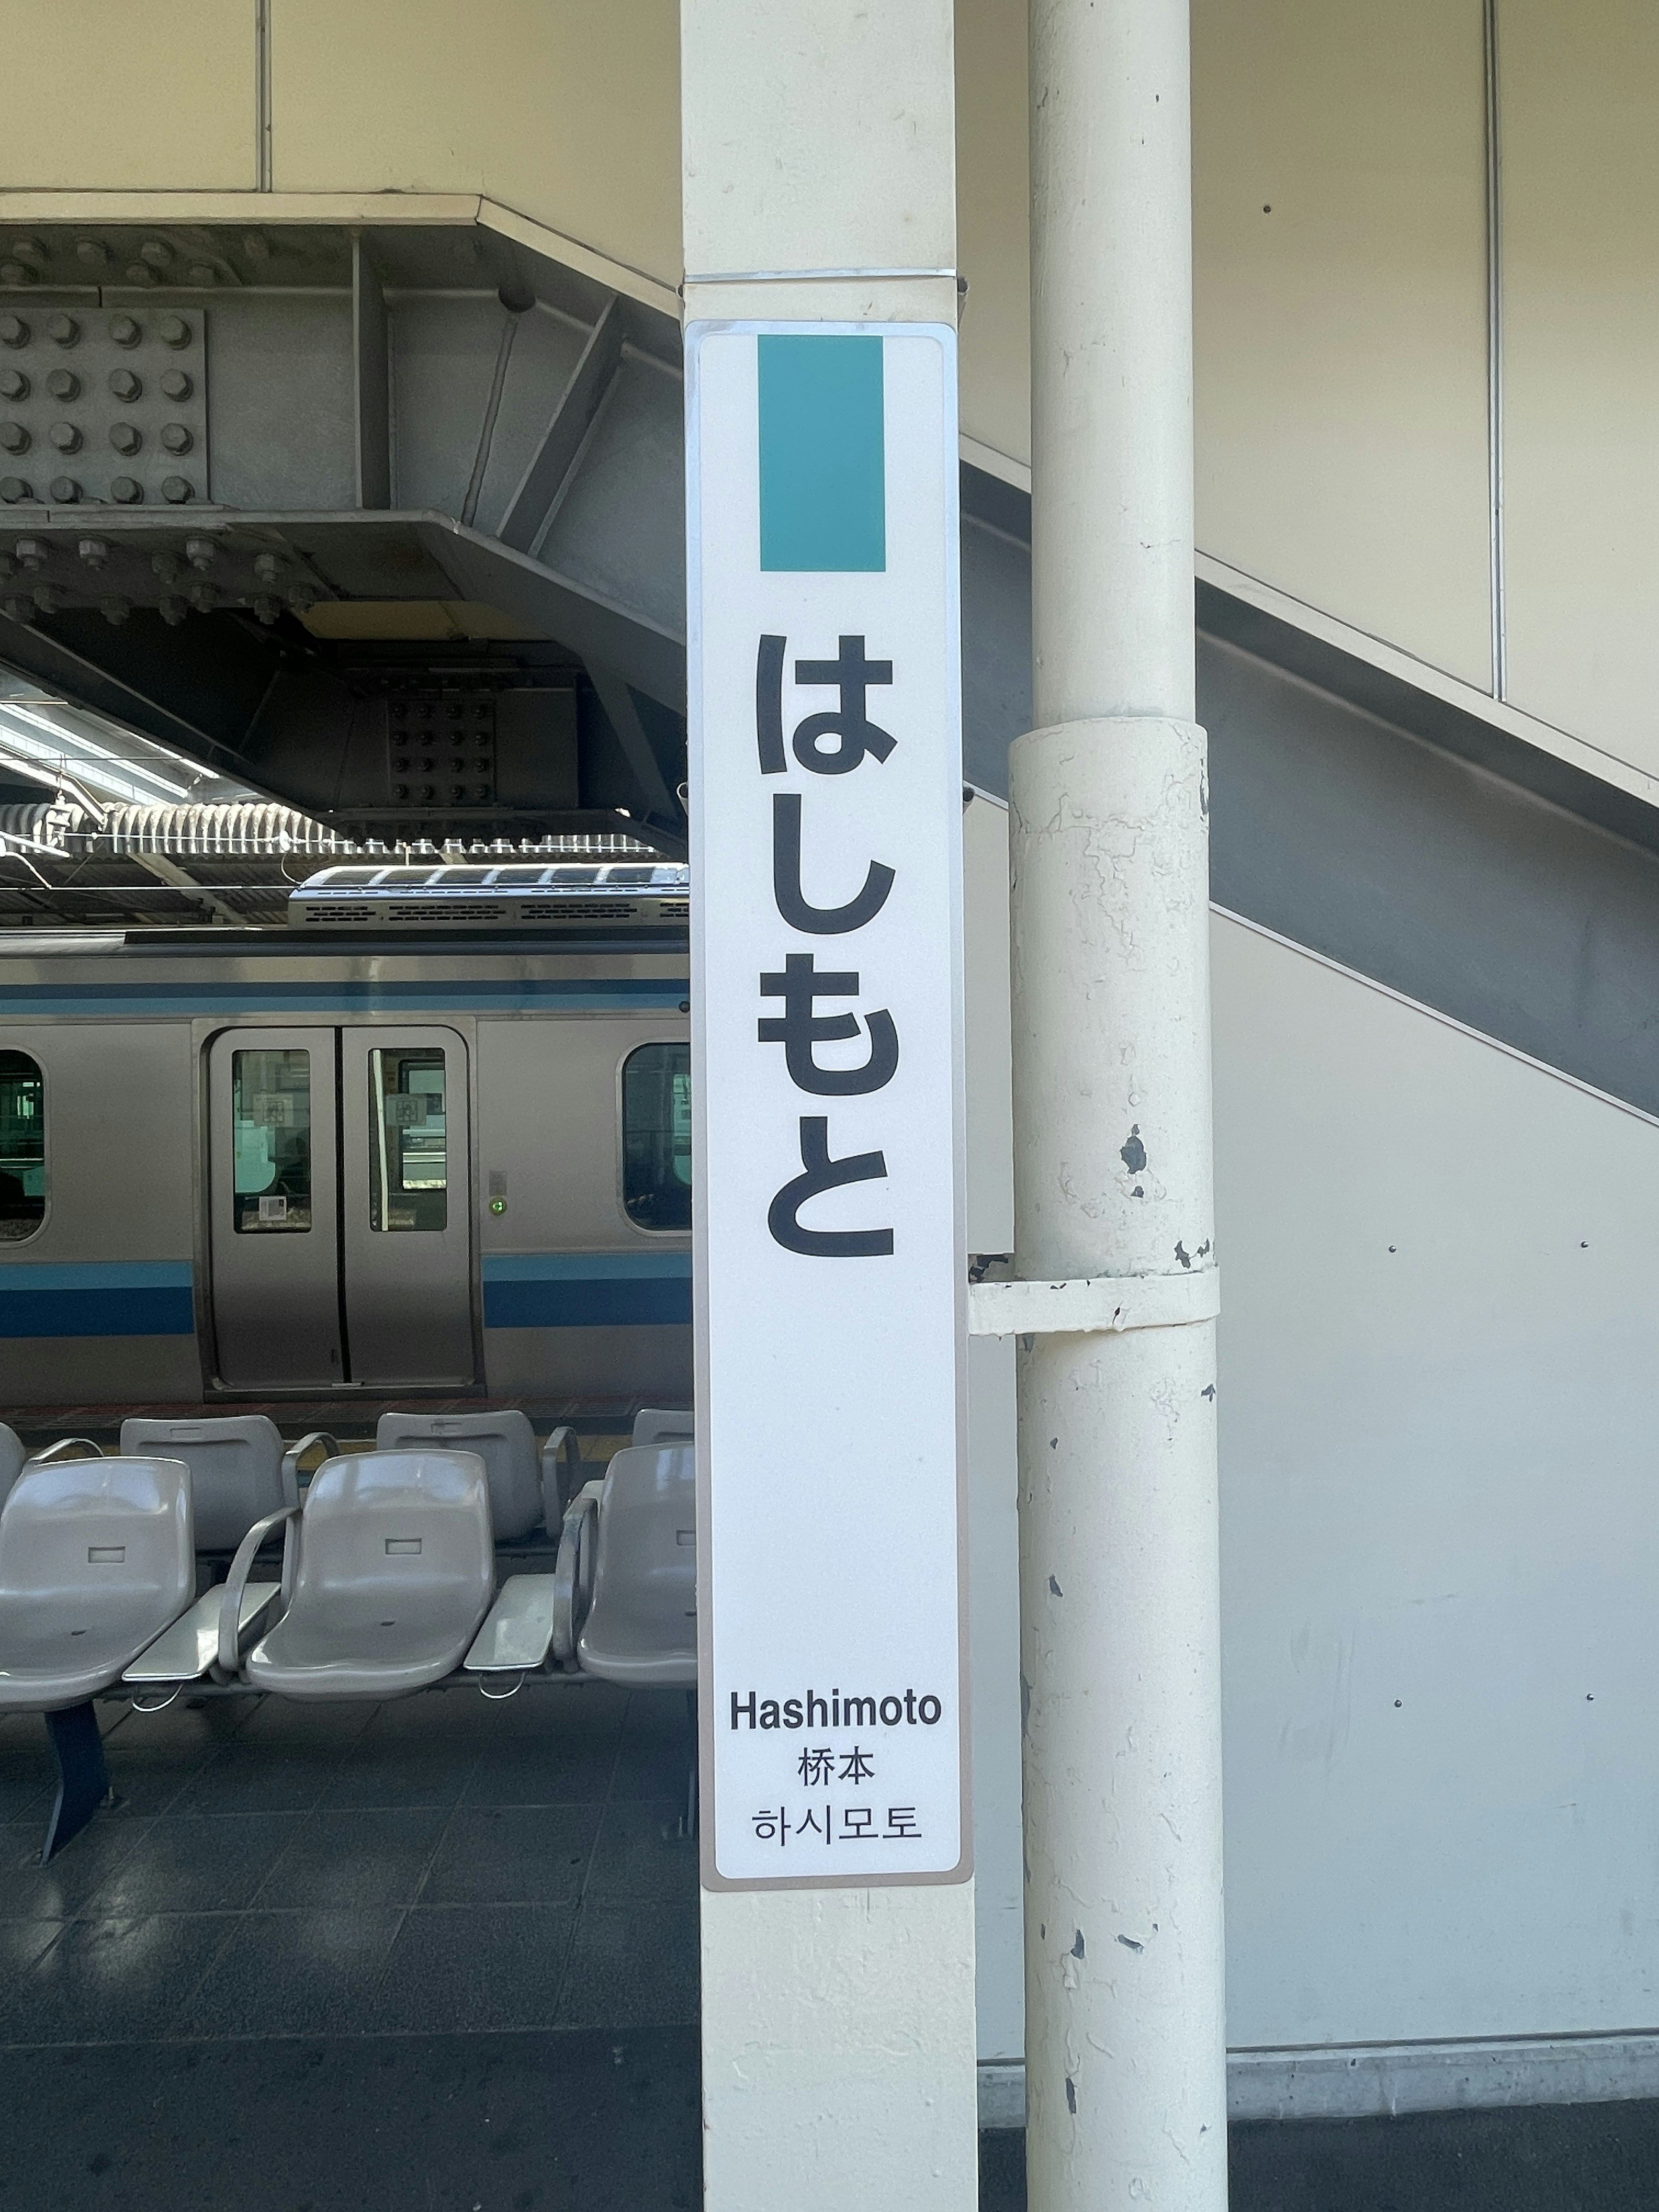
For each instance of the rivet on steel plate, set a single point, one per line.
(176, 490)
(173, 331)
(127, 491)
(13, 330)
(176, 385)
(63, 329)
(14, 438)
(176, 437)
(125, 330)
(125, 437)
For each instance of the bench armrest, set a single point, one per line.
(230, 1602)
(562, 1475)
(65, 1448)
(296, 1453)
(517, 1630)
(573, 1576)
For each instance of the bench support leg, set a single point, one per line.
(82, 1777)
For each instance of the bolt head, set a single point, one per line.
(126, 385)
(93, 253)
(65, 437)
(201, 553)
(203, 598)
(267, 568)
(173, 331)
(157, 252)
(64, 384)
(16, 607)
(115, 610)
(94, 551)
(13, 385)
(126, 490)
(173, 610)
(125, 437)
(267, 609)
(64, 331)
(47, 599)
(176, 385)
(125, 330)
(203, 273)
(33, 552)
(139, 272)
(65, 491)
(14, 438)
(176, 490)
(176, 438)
(165, 565)
(13, 272)
(13, 330)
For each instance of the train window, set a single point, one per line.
(408, 1147)
(270, 1134)
(656, 1114)
(22, 1146)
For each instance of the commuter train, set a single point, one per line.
(434, 1136)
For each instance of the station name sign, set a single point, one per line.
(826, 804)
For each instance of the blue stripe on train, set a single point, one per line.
(136, 1298)
(507, 994)
(585, 1289)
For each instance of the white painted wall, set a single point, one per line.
(1441, 1313)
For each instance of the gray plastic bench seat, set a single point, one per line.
(187, 1650)
(526, 1482)
(395, 1572)
(631, 1542)
(239, 1471)
(97, 1558)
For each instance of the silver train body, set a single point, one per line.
(254, 1167)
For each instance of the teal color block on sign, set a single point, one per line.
(823, 454)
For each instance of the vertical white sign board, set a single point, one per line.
(826, 801)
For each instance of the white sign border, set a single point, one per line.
(710, 1877)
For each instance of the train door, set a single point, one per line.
(340, 1208)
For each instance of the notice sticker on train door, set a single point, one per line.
(826, 786)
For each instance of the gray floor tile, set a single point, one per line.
(541, 1770)
(381, 1772)
(111, 1981)
(633, 1964)
(22, 1944)
(295, 1973)
(477, 1967)
(197, 1865)
(29, 1891)
(321, 1726)
(640, 1854)
(28, 1774)
(259, 1778)
(513, 1855)
(353, 1859)
(657, 1741)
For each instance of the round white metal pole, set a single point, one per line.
(1124, 2056)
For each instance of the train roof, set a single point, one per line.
(629, 896)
